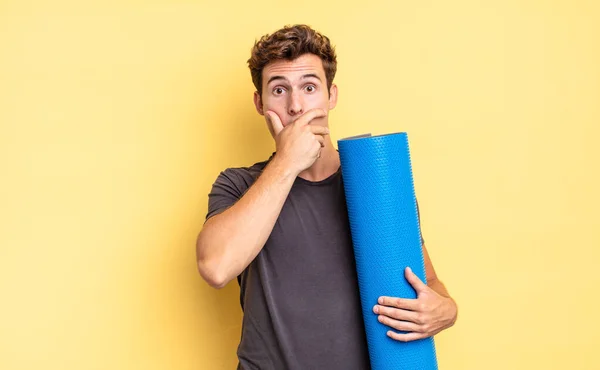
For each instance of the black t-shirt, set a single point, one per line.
(300, 294)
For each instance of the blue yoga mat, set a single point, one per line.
(386, 236)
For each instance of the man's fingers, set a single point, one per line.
(275, 122)
(310, 115)
(320, 139)
(398, 314)
(399, 325)
(403, 303)
(319, 130)
(406, 337)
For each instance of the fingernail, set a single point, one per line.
(376, 309)
(380, 300)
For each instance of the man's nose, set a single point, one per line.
(295, 104)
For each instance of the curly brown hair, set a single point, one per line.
(289, 43)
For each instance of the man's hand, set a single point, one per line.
(299, 143)
(422, 317)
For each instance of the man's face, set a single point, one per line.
(291, 88)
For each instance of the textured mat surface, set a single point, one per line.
(382, 210)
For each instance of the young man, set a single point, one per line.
(281, 227)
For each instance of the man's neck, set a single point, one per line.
(325, 166)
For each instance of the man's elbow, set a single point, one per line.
(209, 268)
(211, 277)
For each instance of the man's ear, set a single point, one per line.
(258, 103)
(333, 95)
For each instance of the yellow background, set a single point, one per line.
(116, 117)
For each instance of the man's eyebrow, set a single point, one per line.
(309, 75)
(275, 78)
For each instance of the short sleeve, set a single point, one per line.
(225, 192)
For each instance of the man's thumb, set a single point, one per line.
(275, 122)
(414, 280)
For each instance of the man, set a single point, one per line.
(281, 227)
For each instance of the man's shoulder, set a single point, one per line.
(254, 169)
(245, 175)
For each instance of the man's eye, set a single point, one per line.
(278, 91)
(310, 88)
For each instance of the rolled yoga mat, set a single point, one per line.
(386, 236)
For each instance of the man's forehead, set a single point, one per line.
(305, 64)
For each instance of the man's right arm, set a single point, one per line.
(231, 240)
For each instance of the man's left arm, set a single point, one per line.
(431, 312)
(432, 280)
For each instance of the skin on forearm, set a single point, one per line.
(438, 287)
(432, 279)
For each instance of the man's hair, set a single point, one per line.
(289, 43)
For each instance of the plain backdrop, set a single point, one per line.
(117, 116)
